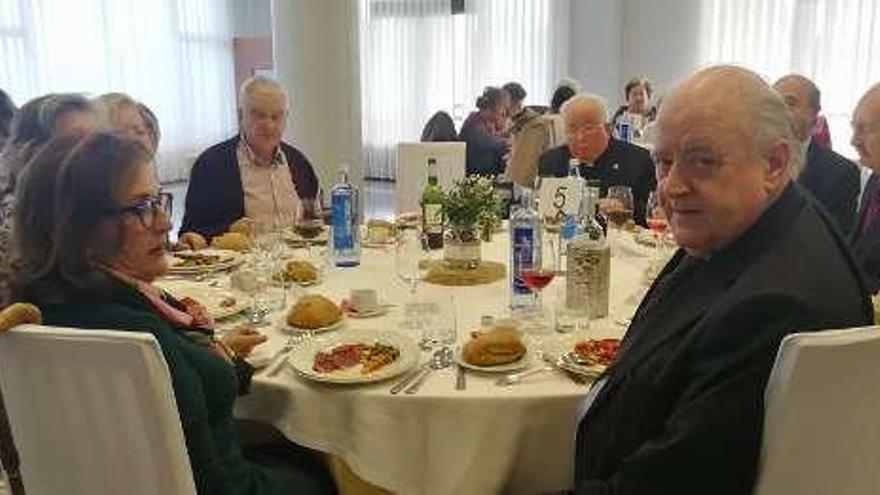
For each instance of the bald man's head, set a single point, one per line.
(866, 128)
(803, 99)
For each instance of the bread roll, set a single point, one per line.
(232, 241)
(313, 311)
(494, 348)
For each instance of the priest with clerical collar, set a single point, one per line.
(604, 158)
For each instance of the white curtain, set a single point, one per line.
(417, 57)
(836, 43)
(173, 55)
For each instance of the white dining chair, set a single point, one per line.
(412, 170)
(92, 412)
(822, 420)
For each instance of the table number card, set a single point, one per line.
(559, 196)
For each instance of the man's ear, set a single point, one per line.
(779, 163)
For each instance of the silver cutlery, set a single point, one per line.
(399, 386)
(460, 377)
(281, 355)
(442, 359)
(514, 378)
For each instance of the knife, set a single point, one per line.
(460, 378)
(410, 377)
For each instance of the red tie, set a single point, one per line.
(872, 210)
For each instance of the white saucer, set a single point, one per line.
(380, 310)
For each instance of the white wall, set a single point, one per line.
(594, 54)
(613, 40)
(315, 44)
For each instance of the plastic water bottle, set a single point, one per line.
(345, 233)
(526, 230)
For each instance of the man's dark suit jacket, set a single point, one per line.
(834, 181)
(681, 410)
(866, 246)
(622, 164)
(215, 198)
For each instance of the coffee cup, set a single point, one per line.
(364, 300)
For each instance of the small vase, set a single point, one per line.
(462, 247)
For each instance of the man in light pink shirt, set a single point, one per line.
(253, 175)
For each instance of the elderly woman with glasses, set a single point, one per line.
(90, 232)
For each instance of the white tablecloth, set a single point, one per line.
(486, 439)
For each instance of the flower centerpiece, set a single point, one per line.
(472, 212)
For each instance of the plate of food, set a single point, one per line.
(206, 260)
(361, 356)
(304, 234)
(583, 355)
(313, 313)
(496, 351)
(300, 272)
(220, 303)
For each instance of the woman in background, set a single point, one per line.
(638, 111)
(486, 149)
(120, 113)
(91, 244)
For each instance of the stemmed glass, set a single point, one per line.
(411, 264)
(658, 224)
(618, 207)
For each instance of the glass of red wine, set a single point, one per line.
(538, 274)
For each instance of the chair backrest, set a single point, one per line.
(92, 412)
(412, 169)
(439, 128)
(822, 420)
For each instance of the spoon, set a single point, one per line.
(442, 358)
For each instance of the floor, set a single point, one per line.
(379, 201)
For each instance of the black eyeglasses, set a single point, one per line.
(146, 209)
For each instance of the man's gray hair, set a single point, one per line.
(583, 98)
(254, 83)
(771, 123)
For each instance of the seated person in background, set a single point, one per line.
(680, 411)
(253, 175)
(829, 177)
(563, 92)
(482, 130)
(439, 128)
(638, 111)
(7, 112)
(118, 112)
(865, 238)
(611, 161)
(532, 135)
(91, 244)
(37, 121)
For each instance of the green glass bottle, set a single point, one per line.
(432, 204)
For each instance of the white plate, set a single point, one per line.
(209, 297)
(228, 259)
(555, 347)
(295, 239)
(519, 364)
(290, 329)
(303, 358)
(382, 309)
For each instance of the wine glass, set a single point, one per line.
(656, 218)
(411, 264)
(537, 274)
(618, 207)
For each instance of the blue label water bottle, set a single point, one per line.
(344, 206)
(526, 229)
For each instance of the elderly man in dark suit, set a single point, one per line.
(830, 178)
(601, 157)
(253, 175)
(866, 140)
(680, 411)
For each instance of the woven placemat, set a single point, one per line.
(486, 272)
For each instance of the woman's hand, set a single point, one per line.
(243, 339)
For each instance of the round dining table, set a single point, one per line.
(484, 439)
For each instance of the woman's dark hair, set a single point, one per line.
(560, 96)
(515, 90)
(7, 112)
(31, 128)
(636, 82)
(64, 196)
(491, 98)
(152, 124)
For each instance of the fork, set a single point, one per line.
(280, 357)
(514, 378)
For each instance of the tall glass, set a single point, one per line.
(411, 264)
(657, 222)
(618, 208)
